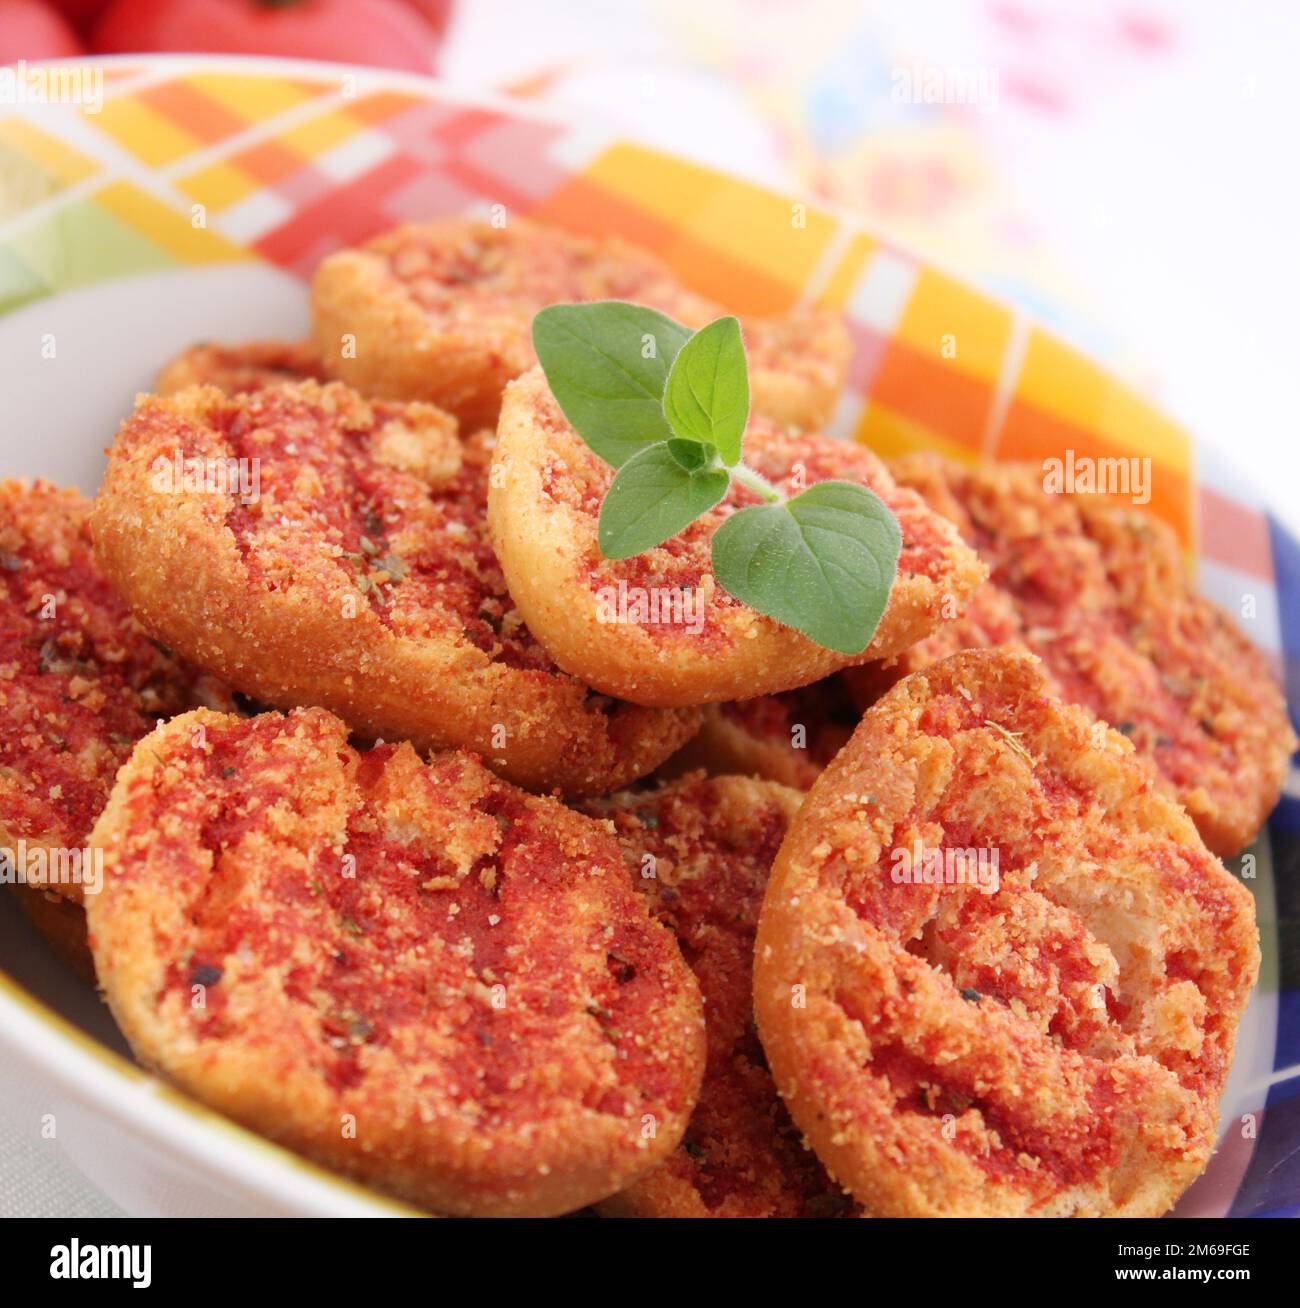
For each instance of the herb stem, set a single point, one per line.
(757, 483)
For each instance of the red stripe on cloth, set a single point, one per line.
(1234, 534)
(351, 213)
(196, 113)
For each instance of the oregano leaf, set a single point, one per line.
(665, 407)
(607, 364)
(707, 395)
(691, 454)
(651, 498)
(822, 562)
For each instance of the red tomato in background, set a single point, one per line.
(79, 12)
(29, 30)
(436, 13)
(381, 33)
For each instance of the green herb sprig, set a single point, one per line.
(666, 408)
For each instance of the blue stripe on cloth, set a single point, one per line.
(1286, 577)
(1285, 842)
(1271, 1186)
(1272, 1181)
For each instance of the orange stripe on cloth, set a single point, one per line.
(584, 206)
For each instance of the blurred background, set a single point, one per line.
(1122, 168)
